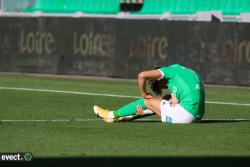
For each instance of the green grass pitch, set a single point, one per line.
(62, 124)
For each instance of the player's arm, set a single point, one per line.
(143, 77)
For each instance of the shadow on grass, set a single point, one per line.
(205, 121)
(224, 121)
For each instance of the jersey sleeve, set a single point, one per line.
(167, 72)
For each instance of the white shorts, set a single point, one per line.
(176, 114)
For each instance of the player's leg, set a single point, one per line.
(140, 114)
(130, 109)
(153, 106)
(175, 114)
(168, 113)
(127, 110)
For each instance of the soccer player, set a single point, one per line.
(185, 104)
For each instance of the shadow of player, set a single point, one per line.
(205, 121)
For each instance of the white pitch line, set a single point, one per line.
(227, 103)
(105, 95)
(49, 120)
(68, 92)
(89, 120)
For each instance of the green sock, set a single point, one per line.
(129, 109)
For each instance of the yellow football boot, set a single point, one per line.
(103, 113)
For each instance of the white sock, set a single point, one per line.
(111, 114)
(147, 112)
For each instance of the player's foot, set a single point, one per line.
(95, 111)
(103, 113)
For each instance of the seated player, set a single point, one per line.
(185, 104)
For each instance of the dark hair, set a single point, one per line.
(157, 67)
(155, 86)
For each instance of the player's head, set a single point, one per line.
(157, 85)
